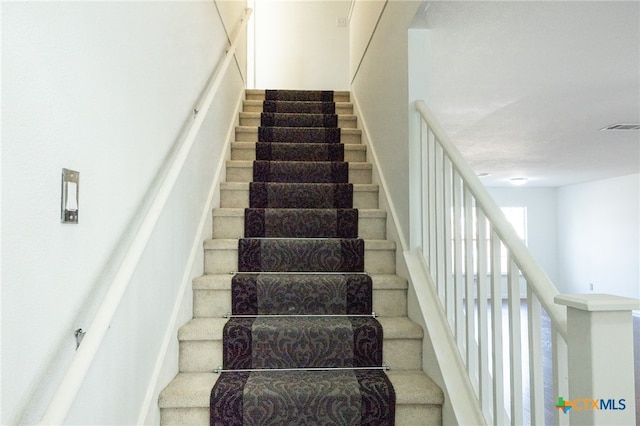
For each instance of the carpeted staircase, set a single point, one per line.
(300, 311)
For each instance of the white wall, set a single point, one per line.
(299, 46)
(103, 88)
(599, 236)
(363, 20)
(380, 87)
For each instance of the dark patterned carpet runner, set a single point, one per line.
(301, 346)
(301, 223)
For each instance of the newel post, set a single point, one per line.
(600, 351)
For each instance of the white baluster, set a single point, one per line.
(472, 346)
(483, 325)
(515, 342)
(496, 330)
(458, 279)
(536, 382)
(560, 372)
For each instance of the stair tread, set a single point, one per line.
(252, 145)
(223, 282)
(254, 129)
(250, 114)
(191, 390)
(249, 163)
(245, 186)
(211, 328)
(259, 102)
(253, 92)
(232, 243)
(415, 387)
(239, 212)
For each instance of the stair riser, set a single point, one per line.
(232, 196)
(233, 227)
(225, 260)
(217, 303)
(342, 108)
(258, 95)
(250, 134)
(408, 415)
(242, 171)
(254, 121)
(248, 153)
(206, 355)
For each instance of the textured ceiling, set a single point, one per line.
(523, 88)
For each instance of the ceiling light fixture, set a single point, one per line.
(484, 174)
(518, 180)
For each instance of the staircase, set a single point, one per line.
(186, 400)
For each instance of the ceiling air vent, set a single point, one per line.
(622, 127)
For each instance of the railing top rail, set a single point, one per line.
(536, 277)
(67, 390)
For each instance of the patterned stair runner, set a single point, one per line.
(301, 345)
(301, 223)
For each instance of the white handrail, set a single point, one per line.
(67, 390)
(540, 283)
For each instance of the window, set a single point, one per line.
(517, 217)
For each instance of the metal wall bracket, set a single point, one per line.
(79, 334)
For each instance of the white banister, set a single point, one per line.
(67, 390)
(503, 340)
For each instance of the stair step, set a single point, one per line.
(252, 105)
(259, 94)
(265, 342)
(186, 399)
(212, 295)
(301, 294)
(242, 171)
(300, 255)
(250, 134)
(221, 256)
(300, 223)
(229, 223)
(253, 119)
(292, 398)
(236, 194)
(201, 344)
(247, 151)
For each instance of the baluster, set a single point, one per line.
(560, 372)
(424, 188)
(483, 339)
(457, 259)
(447, 253)
(515, 342)
(536, 382)
(472, 347)
(440, 227)
(431, 194)
(496, 329)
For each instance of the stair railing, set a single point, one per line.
(496, 315)
(70, 385)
